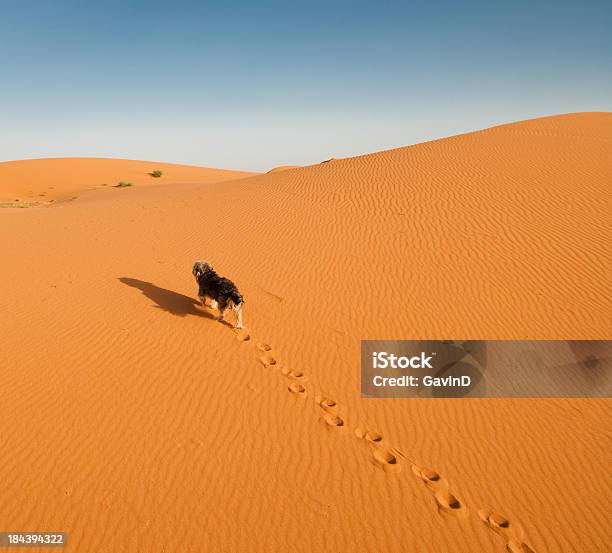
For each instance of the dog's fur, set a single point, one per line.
(220, 290)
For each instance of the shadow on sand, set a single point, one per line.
(169, 301)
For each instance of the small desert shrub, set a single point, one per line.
(157, 173)
(123, 184)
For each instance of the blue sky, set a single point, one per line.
(249, 85)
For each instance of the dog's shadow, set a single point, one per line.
(171, 302)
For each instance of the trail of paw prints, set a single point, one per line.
(387, 458)
(331, 415)
(511, 532)
(297, 381)
(266, 358)
(382, 456)
(296, 378)
(446, 501)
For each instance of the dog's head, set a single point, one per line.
(200, 267)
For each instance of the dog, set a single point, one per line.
(220, 290)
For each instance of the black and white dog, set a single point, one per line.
(220, 290)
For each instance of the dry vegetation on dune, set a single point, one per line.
(135, 422)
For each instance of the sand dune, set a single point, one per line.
(45, 180)
(133, 421)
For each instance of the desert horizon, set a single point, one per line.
(132, 420)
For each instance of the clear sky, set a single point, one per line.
(253, 85)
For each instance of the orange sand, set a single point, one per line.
(133, 421)
(42, 180)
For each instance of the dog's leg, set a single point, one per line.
(238, 310)
(221, 306)
(203, 300)
(214, 304)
